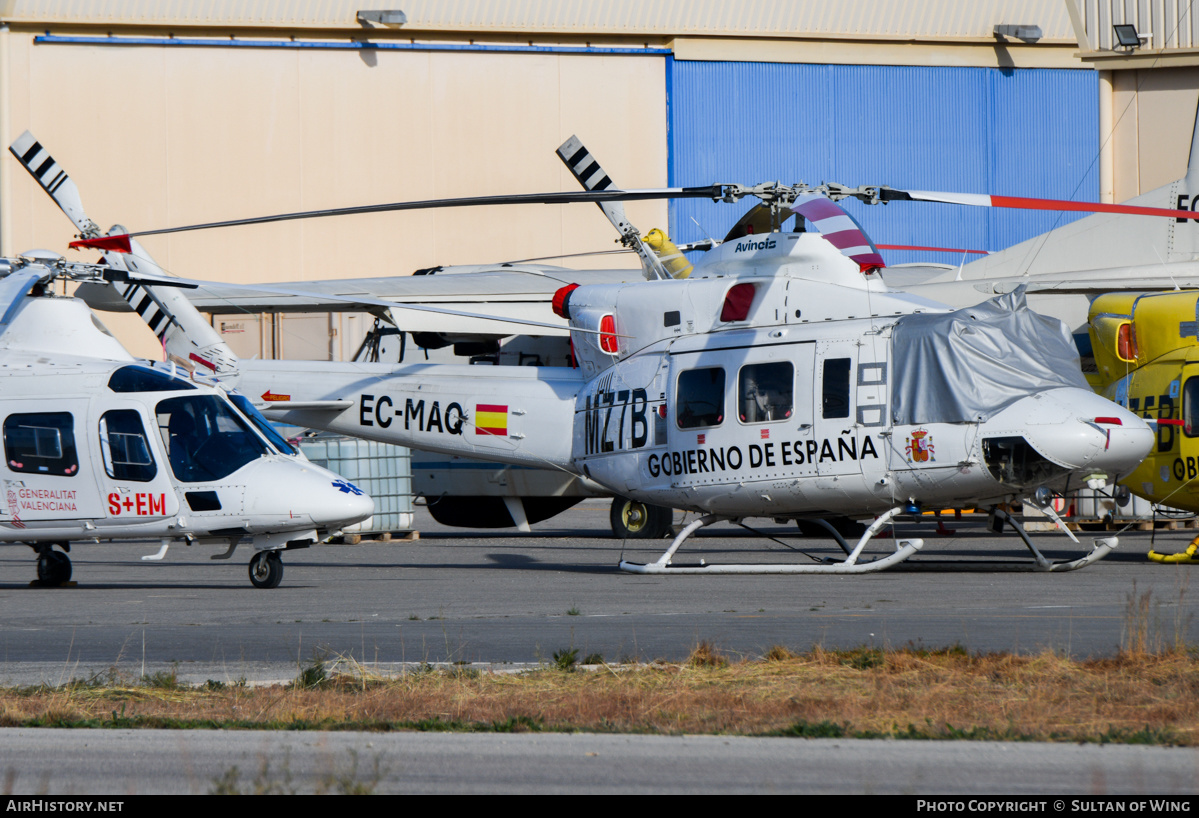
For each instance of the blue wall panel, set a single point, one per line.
(1022, 132)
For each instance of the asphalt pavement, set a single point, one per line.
(508, 599)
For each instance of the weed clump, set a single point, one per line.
(162, 679)
(778, 653)
(706, 655)
(312, 676)
(863, 658)
(566, 659)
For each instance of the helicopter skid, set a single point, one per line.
(850, 565)
(907, 549)
(1102, 546)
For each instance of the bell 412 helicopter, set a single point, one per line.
(101, 446)
(782, 379)
(1125, 247)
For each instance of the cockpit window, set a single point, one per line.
(263, 425)
(1190, 408)
(145, 379)
(764, 392)
(205, 439)
(701, 398)
(125, 447)
(41, 443)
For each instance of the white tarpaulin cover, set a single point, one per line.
(967, 365)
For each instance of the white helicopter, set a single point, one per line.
(782, 379)
(1122, 247)
(101, 446)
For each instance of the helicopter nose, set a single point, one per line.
(342, 504)
(1082, 431)
(336, 502)
(312, 494)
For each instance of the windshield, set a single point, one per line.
(263, 425)
(205, 439)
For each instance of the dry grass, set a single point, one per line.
(866, 692)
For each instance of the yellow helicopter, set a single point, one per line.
(1147, 359)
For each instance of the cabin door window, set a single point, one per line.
(835, 391)
(765, 392)
(125, 447)
(1190, 407)
(41, 443)
(700, 401)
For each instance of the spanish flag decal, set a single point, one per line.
(491, 419)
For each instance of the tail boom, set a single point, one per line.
(520, 415)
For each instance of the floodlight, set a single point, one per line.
(384, 17)
(1025, 32)
(1126, 35)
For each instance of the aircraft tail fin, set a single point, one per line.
(185, 335)
(1103, 240)
(1192, 177)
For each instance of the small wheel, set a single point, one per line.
(266, 569)
(633, 520)
(53, 568)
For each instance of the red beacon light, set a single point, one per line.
(561, 301)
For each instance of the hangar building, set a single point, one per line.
(177, 112)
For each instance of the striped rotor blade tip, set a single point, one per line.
(583, 165)
(38, 161)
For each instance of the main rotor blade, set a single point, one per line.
(925, 248)
(1027, 203)
(120, 242)
(370, 301)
